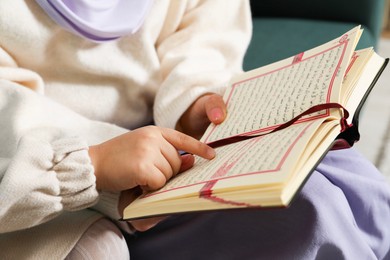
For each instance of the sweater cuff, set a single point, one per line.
(75, 173)
(108, 204)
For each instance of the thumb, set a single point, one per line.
(145, 224)
(187, 161)
(215, 109)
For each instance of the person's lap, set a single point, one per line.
(342, 212)
(102, 240)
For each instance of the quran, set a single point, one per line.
(281, 120)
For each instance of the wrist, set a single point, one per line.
(93, 152)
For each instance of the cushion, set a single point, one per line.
(278, 38)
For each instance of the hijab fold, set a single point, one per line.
(98, 20)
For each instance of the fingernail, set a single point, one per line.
(211, 152)
(216, 114)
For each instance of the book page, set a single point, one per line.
(262, 161)
(361, 73)
(358, 61)
(260, 100)
(237, 177)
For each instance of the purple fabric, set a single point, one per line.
(342, 212)
(98, 20)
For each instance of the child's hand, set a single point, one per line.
(208, 108)
(147, 157)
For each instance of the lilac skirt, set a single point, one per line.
(342, 212)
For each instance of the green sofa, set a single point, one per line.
(283, 28)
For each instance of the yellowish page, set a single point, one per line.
(261, 99)
(262, 161)
(358, 61)
(364, 67)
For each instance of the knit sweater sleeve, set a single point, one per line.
(44, 177)
(199, 53)
(45, 168)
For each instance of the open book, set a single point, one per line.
(282, 119)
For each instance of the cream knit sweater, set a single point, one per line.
(60, 93)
